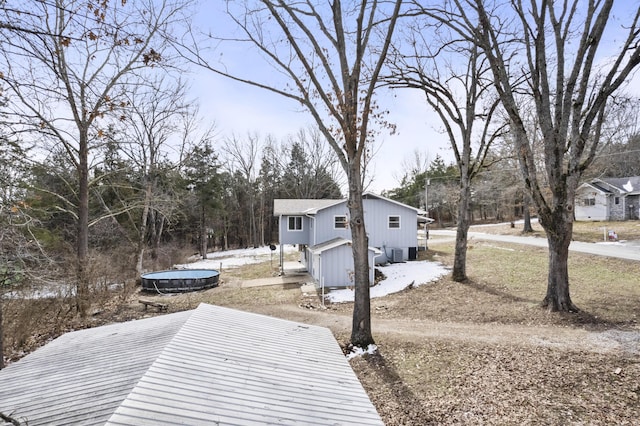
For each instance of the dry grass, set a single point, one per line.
(456, 378)
(446, 381)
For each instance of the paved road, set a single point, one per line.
(621, 250)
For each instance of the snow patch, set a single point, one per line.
(398, 277)
(235, 258)
(358, 351)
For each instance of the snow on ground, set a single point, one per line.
(398, 277)
(357, 351)
(236, 258)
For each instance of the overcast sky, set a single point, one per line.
(239, 109)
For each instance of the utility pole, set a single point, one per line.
(426, 207)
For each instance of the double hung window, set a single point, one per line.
(295, 223)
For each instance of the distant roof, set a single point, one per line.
(287, 207)
(623, 186)
(211, 365)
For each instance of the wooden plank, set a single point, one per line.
(158, 305)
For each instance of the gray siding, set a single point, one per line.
(377, 220)
(605, 191)
(376, 216)
(325, 222)
(336, 267)
(599, 211)
(319, 228)
(617, 210)
(304, 236)
(333, 267)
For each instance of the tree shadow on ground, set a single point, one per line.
(581, 318)
(413, 411)
(496, 292)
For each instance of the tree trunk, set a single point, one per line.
(459, 272)
(559, 231)
(361, 328)
(527, 215)
(156, 227)
(157, 237)
(203, 232)
(142, 232)
(82, 284)
(1, 336)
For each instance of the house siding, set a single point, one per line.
(336, 267)
(380, 236)
(617, 210)
(325, 221)
(376, 216)
(303, 236)
(333, 268)
(598, 211)
(605, 191)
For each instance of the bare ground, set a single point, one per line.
(480, 352)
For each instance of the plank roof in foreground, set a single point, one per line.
(212, 365)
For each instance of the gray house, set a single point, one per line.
(608, 199)
(212, 365)
(321, 229)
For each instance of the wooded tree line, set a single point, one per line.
(497, 193)
(101, 144)
(218, 196)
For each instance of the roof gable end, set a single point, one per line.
(288, 207)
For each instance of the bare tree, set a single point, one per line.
(552, 55)
(327, 57)
(455, 79)
(269, 184)
(619, 155)
(313, 170)
(154, 136)
(241, 160)
(66, 78)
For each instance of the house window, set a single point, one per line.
(589, 201)
(616, 200)
(295, 223)
(340, 222)
(394, 222)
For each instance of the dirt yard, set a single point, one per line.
(480, 352)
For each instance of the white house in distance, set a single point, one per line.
(608, 199)
(321, 229)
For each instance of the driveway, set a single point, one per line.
(621, 250)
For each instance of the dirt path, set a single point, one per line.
(609, 341)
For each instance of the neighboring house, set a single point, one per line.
(212, 365)
(608, 199)
(321, 229)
